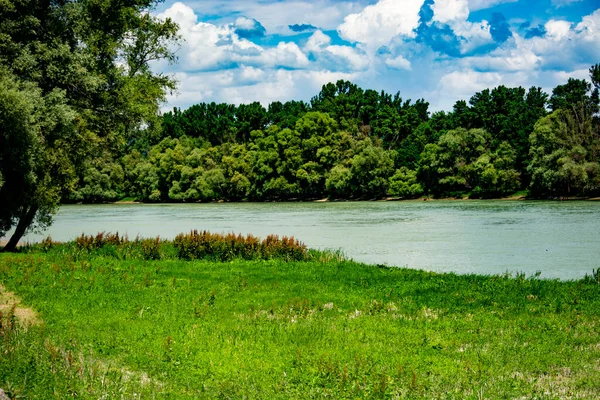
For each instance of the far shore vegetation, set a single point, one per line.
(348, 143)
(210, 316)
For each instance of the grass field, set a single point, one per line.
(113, 327)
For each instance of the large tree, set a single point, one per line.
(565, 146)
(75, 80)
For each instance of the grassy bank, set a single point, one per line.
(267, 328)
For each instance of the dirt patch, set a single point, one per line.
(25, 315)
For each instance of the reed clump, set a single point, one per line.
(196, 245)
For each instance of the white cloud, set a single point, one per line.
(455, 13)
(475, 34)
(398, 62)
(561, 77)
(275, 16)
(317, 42)
(563, 47)
(217, 65)
(286, 55)
(557, 30)
(450, 10)
(356, 60)
(271, 85)
(589, 27)
(461, 85)
(245, 23)
(343, 57)
(208, 46)
(250, 74)
(466, 83)
(567, 47)
(515, 56)
(182, 14)
(376, 25)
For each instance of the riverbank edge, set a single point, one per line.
(383, 199)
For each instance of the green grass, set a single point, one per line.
(272, 329)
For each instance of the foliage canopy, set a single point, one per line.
(75, 82)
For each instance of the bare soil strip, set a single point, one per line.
(25, 315)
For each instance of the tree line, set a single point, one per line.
(350, 143)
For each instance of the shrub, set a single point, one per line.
(198, 245)
(194, 245)
(151, 248)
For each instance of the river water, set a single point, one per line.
(558, 239)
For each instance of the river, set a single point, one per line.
(558, 239)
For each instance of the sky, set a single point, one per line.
(241, 51)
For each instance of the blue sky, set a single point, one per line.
(240, 51)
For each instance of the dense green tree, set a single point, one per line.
(78, 73)
(370, 169)
(462, 161)
(404, 183)
(36, 135)
(338, 180)
(249, 117)
(103, 180)
(286, 114)
(564, 157)
(508, 114)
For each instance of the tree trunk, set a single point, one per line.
(26, 219)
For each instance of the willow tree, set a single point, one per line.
(75, 77)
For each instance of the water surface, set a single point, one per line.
(559, 239)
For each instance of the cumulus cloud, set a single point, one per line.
(519, 57)
(588, 30)
(399, 62)
(468, 82)
(474, 34)
(248, 28)
(557, 30)
(317, 42)
(377, 24)
(208, 46)
(221, 63)
(445, 11)
(445, 29)
(463, 84)
(343, 58)
(557, 46)
(285, 54)
(276, 16)
(567, 47)
(232, 87)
